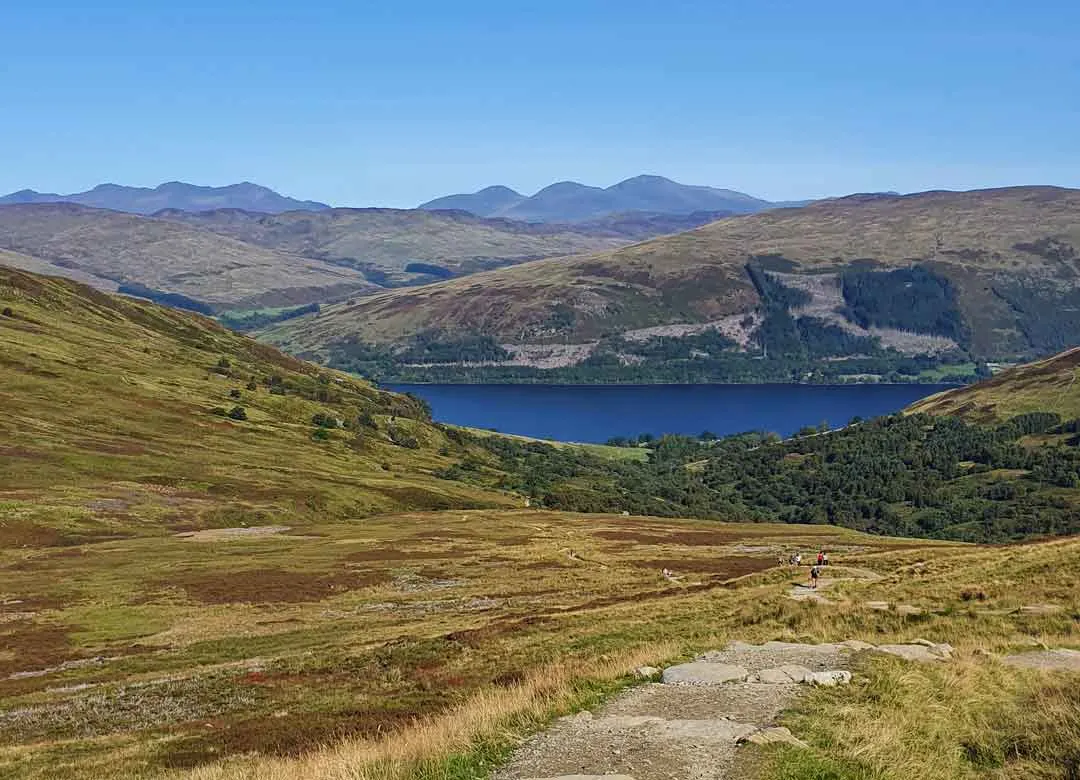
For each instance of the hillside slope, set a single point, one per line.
(992, 273)
(1048, 385)
(171, 195)
(162, 255)
(109, 426)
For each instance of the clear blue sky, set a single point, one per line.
(386, 103)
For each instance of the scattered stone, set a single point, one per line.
(1052, 660)
(830, 679)
(587, 777)
(857, 645)
(921, 653)
(646, 672)
(773, 735)
(704, 673)
(880, 606)
(791, 673)
(923, 642)
(908, 609)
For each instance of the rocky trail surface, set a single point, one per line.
(692, 724)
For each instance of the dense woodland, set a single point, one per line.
(900, 475)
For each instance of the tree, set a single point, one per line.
(238, 413)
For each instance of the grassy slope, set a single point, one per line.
(699, 275)
(168, 256)
(1043, 386)
(109, 398)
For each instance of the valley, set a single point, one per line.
(220, 561)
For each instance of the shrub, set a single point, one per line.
(238, 413)
(320, 434)
(7, 312)
(324, 420)
(367, 420)
(220, 411)
(252, 386)
(234, 393)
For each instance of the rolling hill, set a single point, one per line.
(171, 195)
(573, 202)
(990, 274)
(166, 256)
(388, 241)
(1047, 385)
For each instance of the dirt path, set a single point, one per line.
(694, 722)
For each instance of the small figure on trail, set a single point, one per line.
(821, 558)
(814, 572)
(824, 558)
(780, 560)
(798, 559)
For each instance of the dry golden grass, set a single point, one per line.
(490, 716)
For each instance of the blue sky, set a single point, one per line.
(360, 103)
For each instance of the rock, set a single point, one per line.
(908, 609)
(921, 653)
(1052, 660)
(880, 606)
(646, 672)
(790, 673)
(857, 645)
(704, 673)
(773, 735)
(830, 679)
(923, 642)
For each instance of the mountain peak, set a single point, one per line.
(572, 201)
(174, 195)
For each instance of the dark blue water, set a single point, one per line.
(596, 413)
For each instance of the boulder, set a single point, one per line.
(646, 672)
(704, 673)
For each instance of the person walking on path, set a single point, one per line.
(824, 558)
(814, 572)
(821, 558)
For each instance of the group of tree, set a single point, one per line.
(900, 475)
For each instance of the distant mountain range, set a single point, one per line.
(569, 201)
(173, 195)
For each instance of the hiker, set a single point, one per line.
(821, 558)
(814, 572)
(824, 557)
(798, 559)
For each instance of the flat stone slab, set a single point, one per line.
(1052, 660)
(773, 735)
(918, 652)
(790, 673)
(704, 673)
